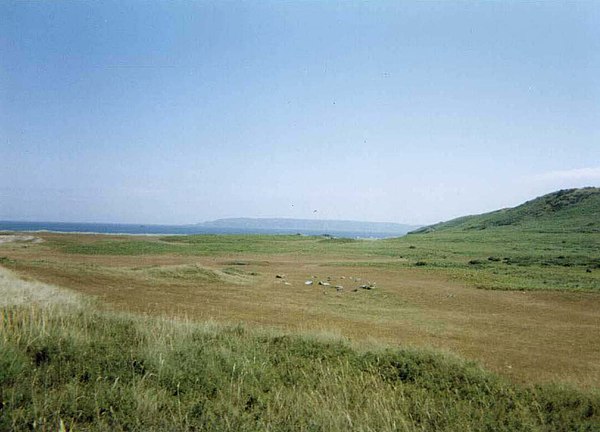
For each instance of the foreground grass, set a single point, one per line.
(91, 370)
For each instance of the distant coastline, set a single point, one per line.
(205, 228)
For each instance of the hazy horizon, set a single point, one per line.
(314, 218)
(204, 221)
(185, 112)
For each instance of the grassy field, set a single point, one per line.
(427, 289)
(484, 323)
(66, 365)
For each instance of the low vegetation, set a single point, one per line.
(80, 369)
(508, 259)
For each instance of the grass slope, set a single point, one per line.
(81, 369)
(548, 243)
(569, 210)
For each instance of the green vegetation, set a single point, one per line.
(505, 259)
(496, 258)
(549, 243)
(88, 370)
(569, 210)
(201, 245)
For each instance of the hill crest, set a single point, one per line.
(566, 210)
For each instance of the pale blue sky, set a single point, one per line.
(179, 112)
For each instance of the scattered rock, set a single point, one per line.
(280, 276)
(324, 283)
(339, 288)
(368, 286)
(287, 283)
(308, 282)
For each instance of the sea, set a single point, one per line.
(111, 228)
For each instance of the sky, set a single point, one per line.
(178, 112)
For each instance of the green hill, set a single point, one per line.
(568, 210)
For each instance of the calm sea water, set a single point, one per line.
(103, 228)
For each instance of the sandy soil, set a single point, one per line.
(14, 238)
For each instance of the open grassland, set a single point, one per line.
(493, 259)
(537, 320)
(71, 366)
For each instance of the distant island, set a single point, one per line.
(310, 225)
(334, 228)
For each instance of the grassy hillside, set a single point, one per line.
(549, 243)
(79, 369)
(569, 210)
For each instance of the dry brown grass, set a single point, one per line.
(15, 292)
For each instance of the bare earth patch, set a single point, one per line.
(13, 238)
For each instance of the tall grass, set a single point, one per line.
(14, 291)
(89, 370)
